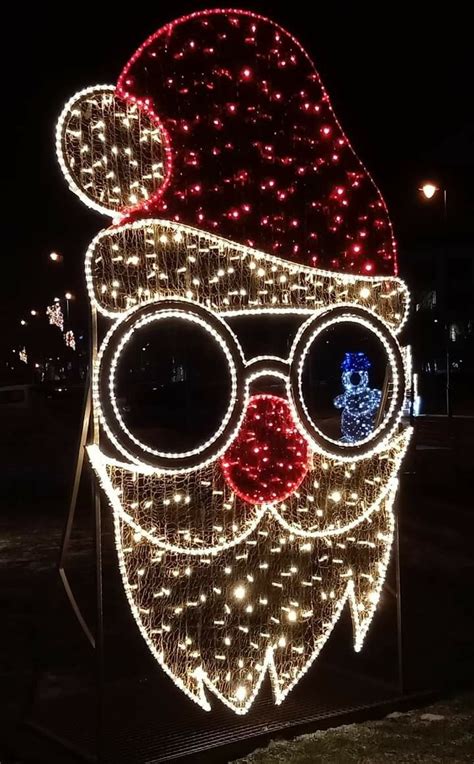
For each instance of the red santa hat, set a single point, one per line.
(255, 152)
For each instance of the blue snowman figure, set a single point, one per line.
(359, 403)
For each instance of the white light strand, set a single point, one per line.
(279, 644)
(111, 152)
(374, 445)
(55, 315)
(149, 259)
(70, 340)
(223, 590)
(122, 486)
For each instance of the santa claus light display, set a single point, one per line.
(235, 197)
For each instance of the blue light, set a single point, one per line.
(358, 402)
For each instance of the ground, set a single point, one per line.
(440, 734)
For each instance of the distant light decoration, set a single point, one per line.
(55, 315)
(69, 339)
(269, 458)
(23, 356)
(239, 555)
(359, 403)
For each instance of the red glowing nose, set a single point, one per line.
(269, 458)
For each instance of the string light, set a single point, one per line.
(269, 458)
(104, 376)
(358, 402)
(310, 512)
(280, 180)
(375, 439)
(113, 155)
(354, 571)
(238, 556)
(152, 259)
(55, 315)
(69, 339)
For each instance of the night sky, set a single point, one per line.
(400, 86)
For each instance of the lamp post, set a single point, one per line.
(69, 296)
(429, 191)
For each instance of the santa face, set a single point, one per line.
(238, 552)
(242, 534)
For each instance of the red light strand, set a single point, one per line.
(256, 159)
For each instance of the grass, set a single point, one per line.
(440, 734)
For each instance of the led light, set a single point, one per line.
(70, 340)
(104, 372)
(143, 243)
(358, 402)
(362, 605)
(429, 190)
(241, 693)
(373, 442)
(213, 575)
(89, 124)
(55, 315)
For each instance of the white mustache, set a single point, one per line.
(198, 513)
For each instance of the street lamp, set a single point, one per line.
(69, 296)
(55, 257)
(429, 190)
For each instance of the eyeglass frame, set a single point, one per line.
(242, 371)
